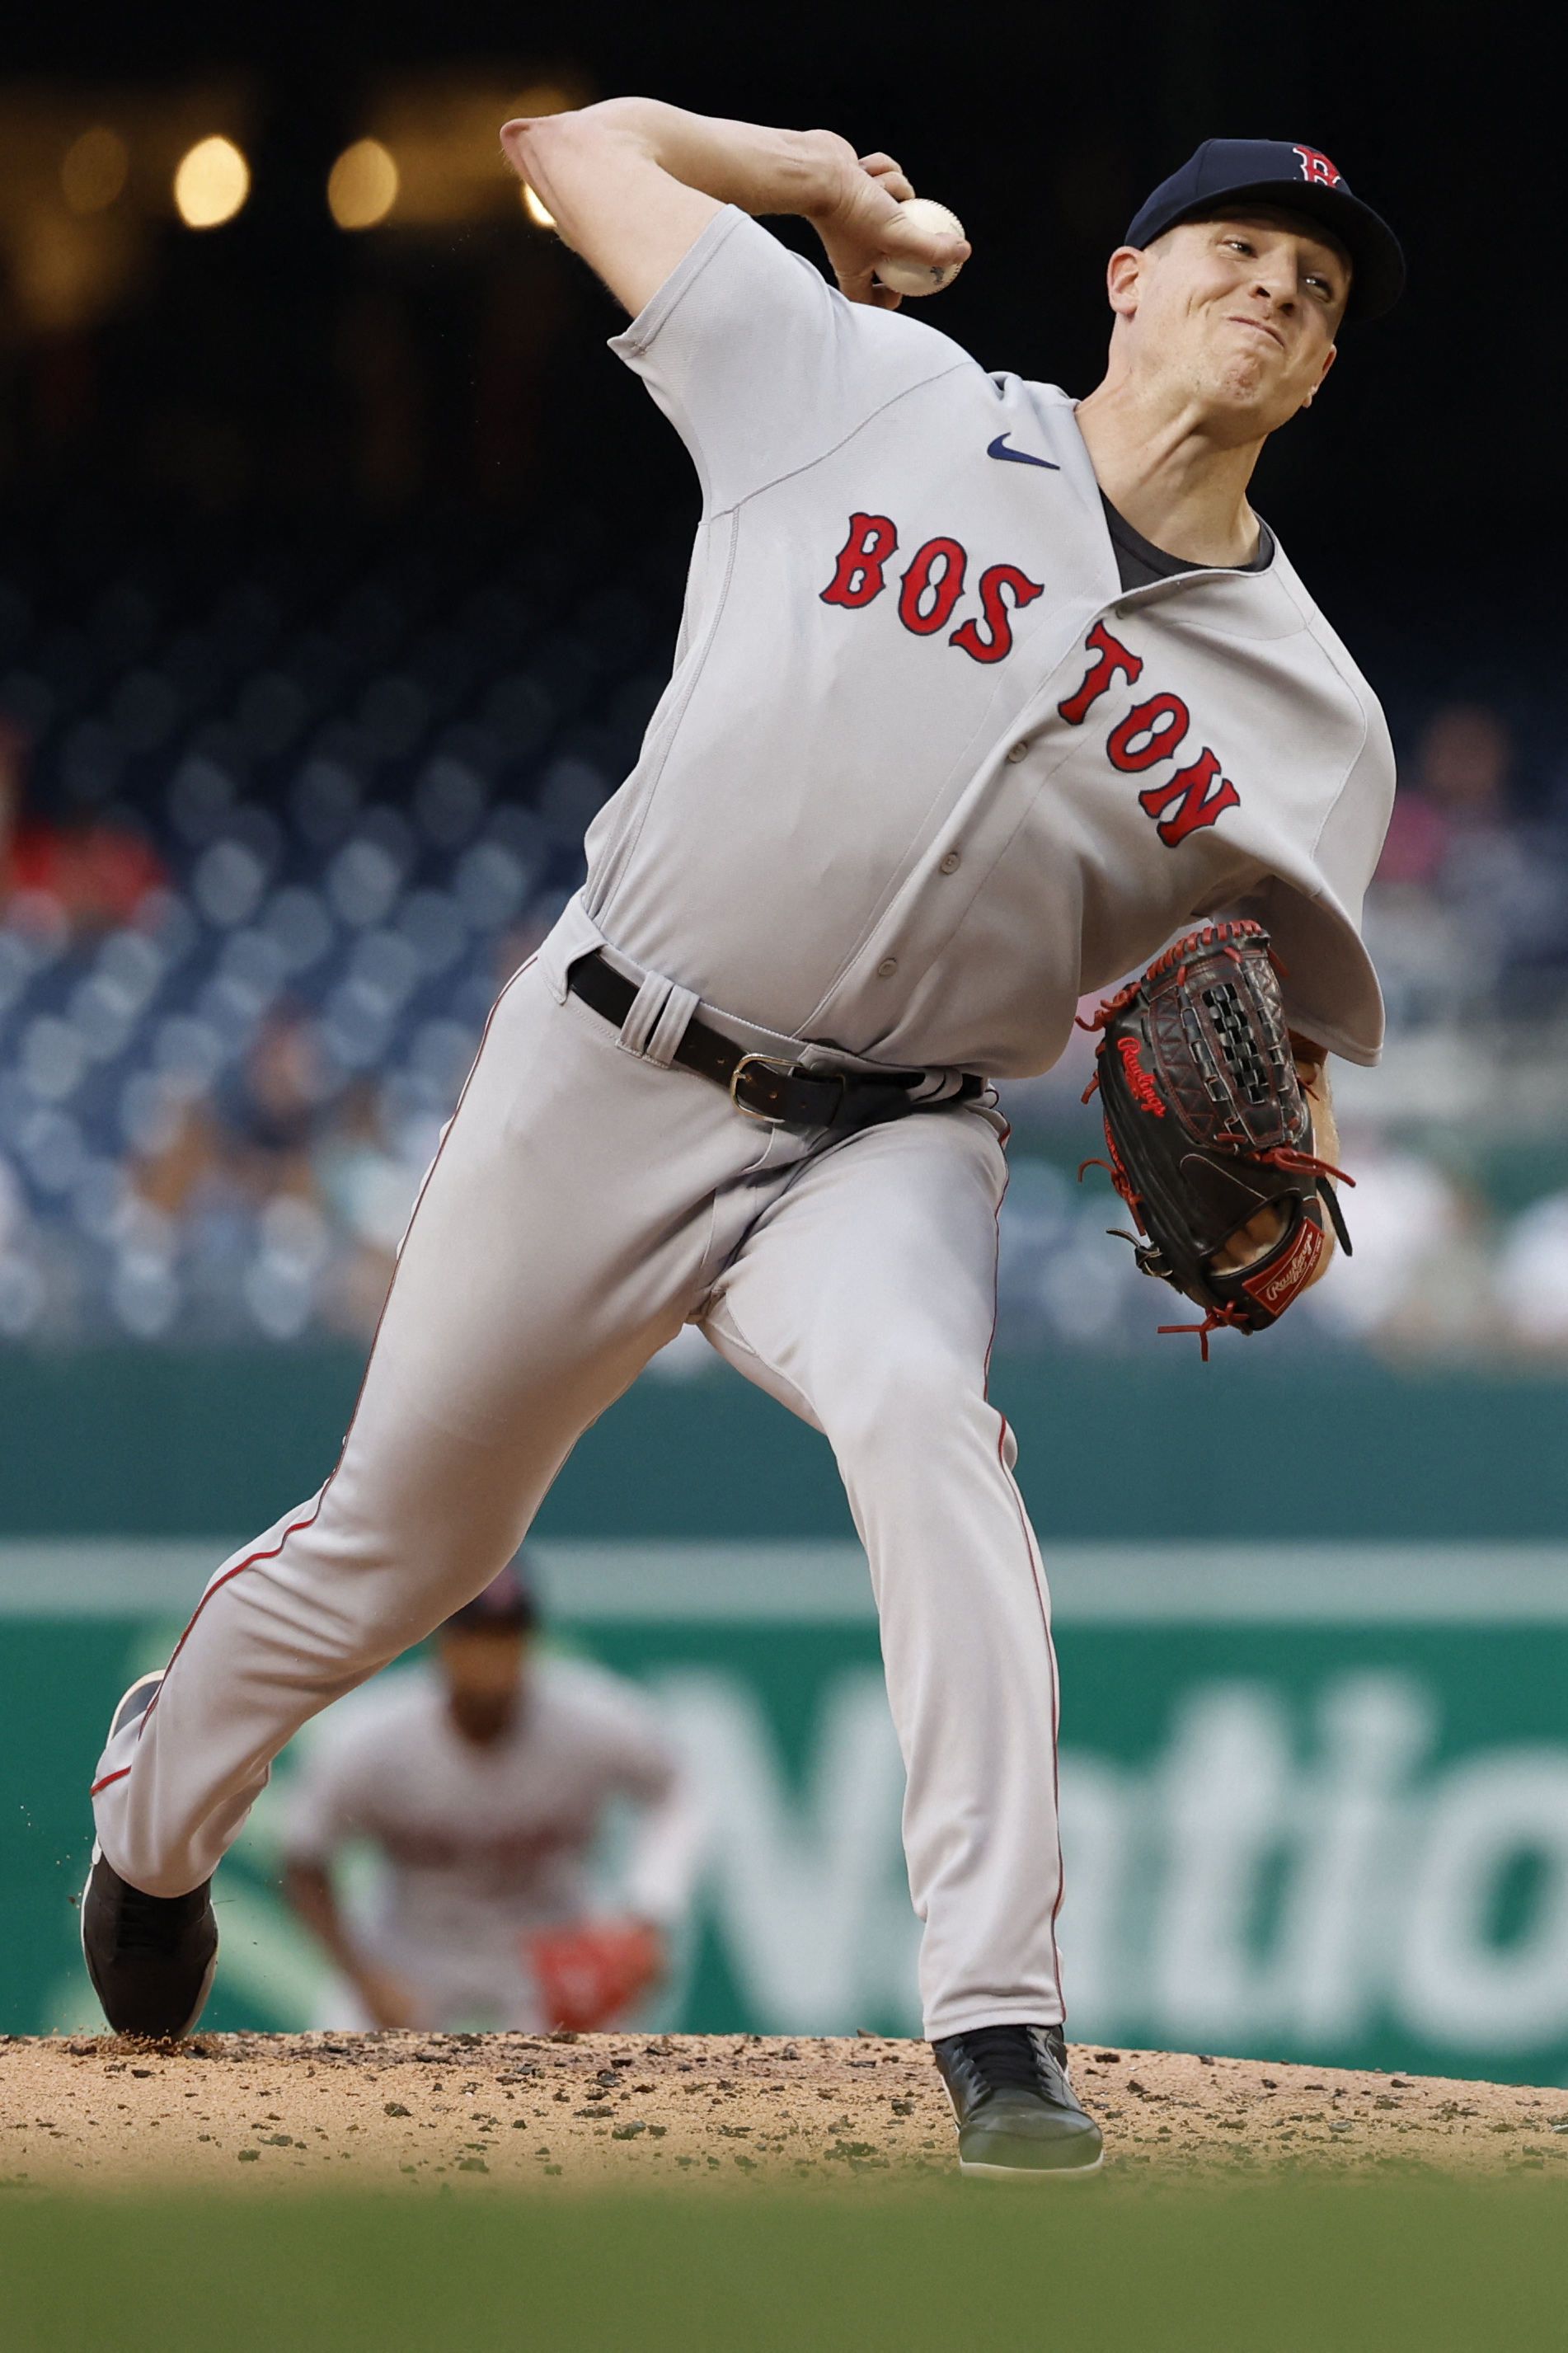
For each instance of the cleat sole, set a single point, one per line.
(978, 2168)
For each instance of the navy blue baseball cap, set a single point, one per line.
(507, 1604)
(1298, 179)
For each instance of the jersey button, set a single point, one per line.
(1018, 752)
(950, 863)
(887, 968)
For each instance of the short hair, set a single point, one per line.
(508, 1604)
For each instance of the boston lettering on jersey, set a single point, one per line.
(930, 589)
(1152, 731)
(929, 592)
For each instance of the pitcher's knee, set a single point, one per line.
(929, 1407)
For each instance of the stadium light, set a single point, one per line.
(211, 184)
(94, 170)
(361, 186)
(536, 210)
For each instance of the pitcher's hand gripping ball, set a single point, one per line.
(902, 276)
(1207, 1127)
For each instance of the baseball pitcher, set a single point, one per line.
(982, 697)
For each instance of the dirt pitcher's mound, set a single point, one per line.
(299, 2109)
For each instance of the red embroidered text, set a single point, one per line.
(1145, 1094)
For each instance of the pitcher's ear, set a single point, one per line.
(1124, 277)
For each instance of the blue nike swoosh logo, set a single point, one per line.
(999, 448)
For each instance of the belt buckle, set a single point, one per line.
(768, 1062)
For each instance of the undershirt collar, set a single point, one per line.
(1139, 561)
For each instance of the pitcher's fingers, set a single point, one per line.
(907, 240)
(863, 285)
(887, 173)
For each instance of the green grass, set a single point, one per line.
(1297, 2267)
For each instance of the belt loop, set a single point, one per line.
(657, 1018)
(643, 1014)
(668, 1030)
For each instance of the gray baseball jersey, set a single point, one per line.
(924, 773)
(484, 1843)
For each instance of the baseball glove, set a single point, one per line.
(589, 1973)
(1207, 1125)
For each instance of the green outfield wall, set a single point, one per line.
(1315, 1799)
(164, 1443)
(1313, 1627)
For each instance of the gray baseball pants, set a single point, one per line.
(586, 1201)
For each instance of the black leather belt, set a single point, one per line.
(763, 1085)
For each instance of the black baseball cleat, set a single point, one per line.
(151, 1957)
(1015, 2109)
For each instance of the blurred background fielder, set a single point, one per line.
(485, 1785)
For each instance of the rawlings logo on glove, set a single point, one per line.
(1207, 1128)
(1145, 1094)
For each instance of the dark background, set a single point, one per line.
(1422, 499)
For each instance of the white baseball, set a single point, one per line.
(904, 277)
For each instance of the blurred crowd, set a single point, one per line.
(1468, 917)
(261, 875)
(1437, 1276)
(272, 836)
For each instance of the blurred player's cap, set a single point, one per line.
(507, 1604)
(1300, 179)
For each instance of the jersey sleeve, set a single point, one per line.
(644, 1764)
(762, 366)
(1328, 984)
(1350, 842)
(322, 1809)
(666, 1853)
